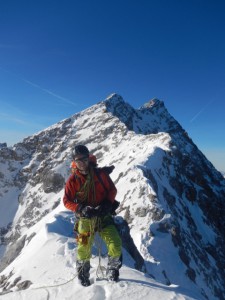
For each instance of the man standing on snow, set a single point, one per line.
(90, 193)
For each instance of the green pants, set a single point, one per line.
(107, 231)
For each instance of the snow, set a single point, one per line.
(131, 286)
(49, 263)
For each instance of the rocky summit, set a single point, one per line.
(172, 208)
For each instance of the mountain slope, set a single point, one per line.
(171, 196)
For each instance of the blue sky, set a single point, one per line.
(60, 57)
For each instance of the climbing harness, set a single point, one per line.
(82, 238)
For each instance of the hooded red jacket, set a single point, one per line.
(77, 180)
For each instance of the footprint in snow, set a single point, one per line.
(99, 293)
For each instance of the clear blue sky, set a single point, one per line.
(60, 57)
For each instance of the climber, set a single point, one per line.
(90, 193)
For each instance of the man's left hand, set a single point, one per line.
(88, 212)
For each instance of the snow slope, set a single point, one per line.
(49, 263)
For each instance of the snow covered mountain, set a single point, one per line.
(171, 197)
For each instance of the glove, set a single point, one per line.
(88, 212)
(104, 208)
(83, 210)
(115, 205)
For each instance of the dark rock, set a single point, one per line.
(12, 252)
(53, 182)
(128, 243)
(24, 285)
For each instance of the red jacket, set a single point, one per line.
(77, 180)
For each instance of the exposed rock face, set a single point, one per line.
(53, 182)
(129, 245)
(12, 252)
(167, 188)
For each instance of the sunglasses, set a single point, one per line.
(81, 159)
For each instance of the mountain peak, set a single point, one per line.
(155, 102)
(114, 97)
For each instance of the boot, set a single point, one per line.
(112, 274)
(83, 270)
(114, 264)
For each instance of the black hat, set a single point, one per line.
(80, 149)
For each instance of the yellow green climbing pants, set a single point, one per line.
(107, 231)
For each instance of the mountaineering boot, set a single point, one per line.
(112, 273)
(83, 271)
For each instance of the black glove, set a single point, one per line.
(88, 212)
(115, 205)
(84, 210)
(104, 208)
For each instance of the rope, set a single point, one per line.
(100, 269)
(56, 285)
(91, 190)
(96, 226)
(51, 286)
(87, 191)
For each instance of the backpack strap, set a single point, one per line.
(116, 203)
(100, 179)
(76, 177)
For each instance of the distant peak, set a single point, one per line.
(116, 102)
(155, 102)
(3, 145)
(114, 97)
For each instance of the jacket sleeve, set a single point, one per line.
(110, 186)
(70, 195)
